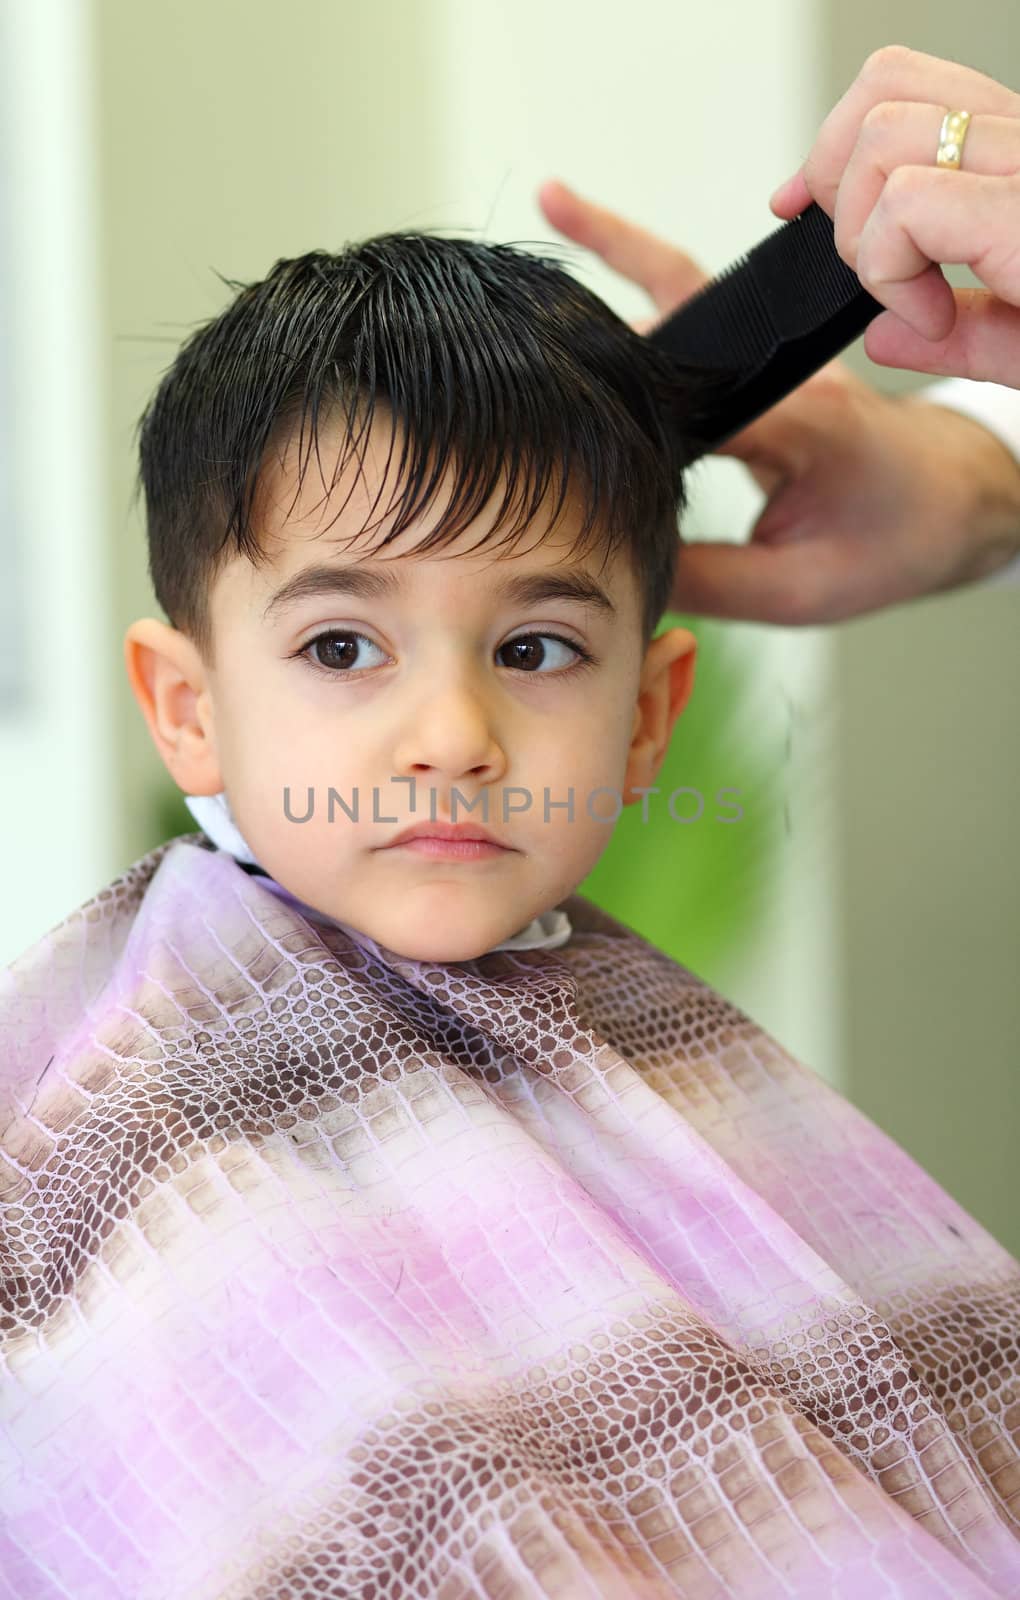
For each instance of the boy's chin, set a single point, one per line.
(440, 946)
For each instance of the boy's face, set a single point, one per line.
(444, 679)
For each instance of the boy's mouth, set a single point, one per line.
(451, 832)
(452, 849)
(464, 841)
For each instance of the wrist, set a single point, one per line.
(984, 475)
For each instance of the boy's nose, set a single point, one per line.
(451, 733)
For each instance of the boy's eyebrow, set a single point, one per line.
(373, 583)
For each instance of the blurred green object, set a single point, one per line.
(697, 889)
(700, 889)
(170, 815)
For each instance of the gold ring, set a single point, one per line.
(951, 137)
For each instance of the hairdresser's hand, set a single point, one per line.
(873, 499)
(897, 215)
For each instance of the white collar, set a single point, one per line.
(213, 814)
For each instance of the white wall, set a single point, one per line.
(57, 779)
(929, 764)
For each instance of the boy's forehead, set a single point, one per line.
(311, 512)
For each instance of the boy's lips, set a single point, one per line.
(455, 833)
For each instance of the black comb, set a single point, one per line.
(770, 320)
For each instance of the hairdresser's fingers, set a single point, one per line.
(892, 73)
(925, 215)
(792, 584)
(667, 274)
(984, 342)
(903, 135)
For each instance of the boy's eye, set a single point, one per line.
(337, 652)
(529, 649)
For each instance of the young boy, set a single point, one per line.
(516, 694)
(382, 1218)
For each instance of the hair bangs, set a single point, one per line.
(482, 412)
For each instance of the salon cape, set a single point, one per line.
(329, 1272)
(324, 1272)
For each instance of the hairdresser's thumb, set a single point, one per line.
(739, 582)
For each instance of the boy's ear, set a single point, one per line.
(667, 678)
(168, 679)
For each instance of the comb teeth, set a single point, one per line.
(728, 314)
(770, 320)
(803, 277)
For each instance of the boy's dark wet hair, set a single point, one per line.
(495, 360)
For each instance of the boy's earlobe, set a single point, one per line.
(168, 680)
(667, 680)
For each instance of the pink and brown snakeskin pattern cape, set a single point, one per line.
(326, 1272)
